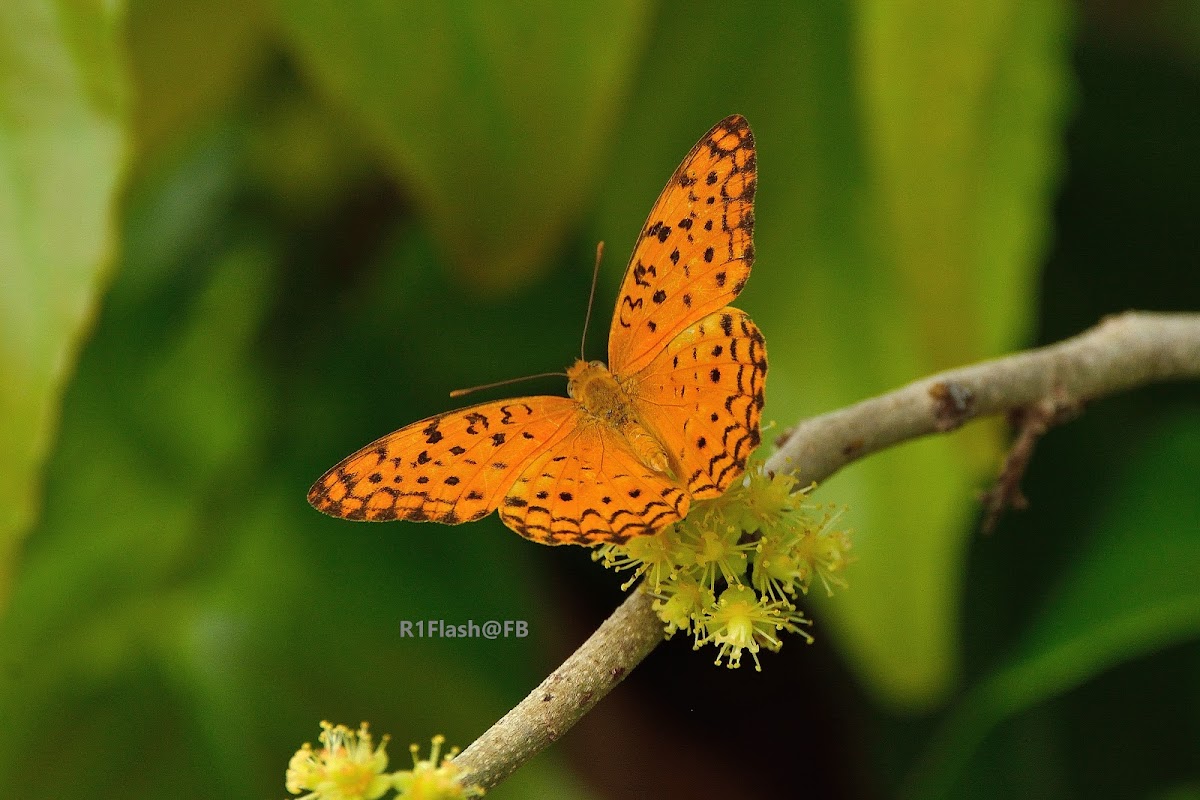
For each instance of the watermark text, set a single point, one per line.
(441, 629)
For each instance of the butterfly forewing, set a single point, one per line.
(695, 251)
(450, 468)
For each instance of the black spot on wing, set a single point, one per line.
(475, 420)
(432, 434)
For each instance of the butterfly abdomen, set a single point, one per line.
(647, 447)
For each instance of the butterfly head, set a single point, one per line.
(582, 374)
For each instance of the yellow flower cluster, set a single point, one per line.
(731, 572)
(348, 767)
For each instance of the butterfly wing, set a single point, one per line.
(450, 468)
(560, 474)
(703, 397)
(590, 487)
(694, 253)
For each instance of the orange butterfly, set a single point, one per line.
(672, 419)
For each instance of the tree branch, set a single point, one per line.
(1133, 349)
(1121, 352)
(617, 646)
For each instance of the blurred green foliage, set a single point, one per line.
(62, 122)
(316, 219)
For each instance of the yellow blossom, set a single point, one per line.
(429, 780)
(346, 767)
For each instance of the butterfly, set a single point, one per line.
(670, 419)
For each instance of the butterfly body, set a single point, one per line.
(613, 403)
(671, 418)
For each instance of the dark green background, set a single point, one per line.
(240, 240)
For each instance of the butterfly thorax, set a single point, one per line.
(596, 389)
(608, 402)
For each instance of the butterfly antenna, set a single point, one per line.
(591, 297)
(461, 392)
(587, 318)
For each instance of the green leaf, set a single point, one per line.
(906, 163)
(493, 115)
(62, 150)
(963, 106)
(1134, 591)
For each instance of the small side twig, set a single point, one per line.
(1122, 352)
(1032, 423)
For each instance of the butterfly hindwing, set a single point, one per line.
(591, 488)
(695, 251)
(703, 397)
(450, 468)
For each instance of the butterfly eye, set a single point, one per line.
(599, 364)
